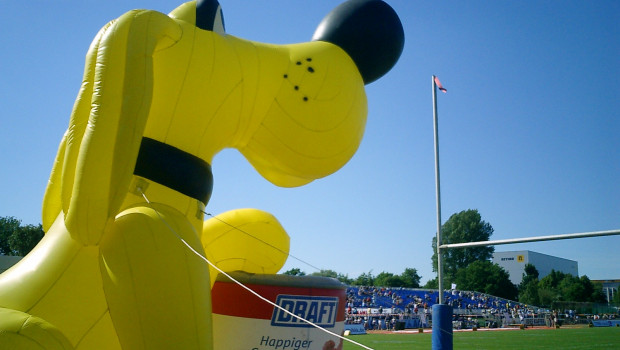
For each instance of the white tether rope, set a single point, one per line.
(241, 284)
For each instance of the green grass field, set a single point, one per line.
(563, 338)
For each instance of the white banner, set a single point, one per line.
(355, 328)
(606, 323)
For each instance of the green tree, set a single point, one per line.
(530, 273)
(388, 279)
(559, 286)
(294, 272)
(431, 284)
(486, 277)
(571, 288)
(466, 226)
(548, 290)
(410, 278)
(529, 294)
(528, 288)
(598, 295)
(615, 300)
(16, 239)
(8, 225)
(365, 279)
(552, 280)
(25, 238)
(546, 296)
(333, 274)
(581, 289)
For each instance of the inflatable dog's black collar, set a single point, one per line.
(175, 169)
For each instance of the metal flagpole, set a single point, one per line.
(438, 195)
(442, 314)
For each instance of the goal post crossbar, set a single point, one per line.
(531, 239)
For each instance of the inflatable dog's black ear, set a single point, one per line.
(369, 31)
(209, 16)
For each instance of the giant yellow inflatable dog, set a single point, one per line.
(161, 95)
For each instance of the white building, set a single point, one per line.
(514, 263)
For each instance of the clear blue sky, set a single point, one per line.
(529, 128)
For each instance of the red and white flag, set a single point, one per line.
(440, 86)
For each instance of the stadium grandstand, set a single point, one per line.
(395, 308)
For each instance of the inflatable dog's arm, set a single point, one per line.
(87, 176)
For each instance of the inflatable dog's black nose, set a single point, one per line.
(369, 31)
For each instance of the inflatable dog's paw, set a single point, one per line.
(248, 240)
(19, 330)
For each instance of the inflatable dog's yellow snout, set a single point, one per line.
(160, 97)
(316, 120)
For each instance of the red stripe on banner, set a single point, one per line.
(232, 300)
(439, 85)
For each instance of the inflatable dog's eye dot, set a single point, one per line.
(309, 59)
(296, 87)
(285, 76)
(298, 63)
